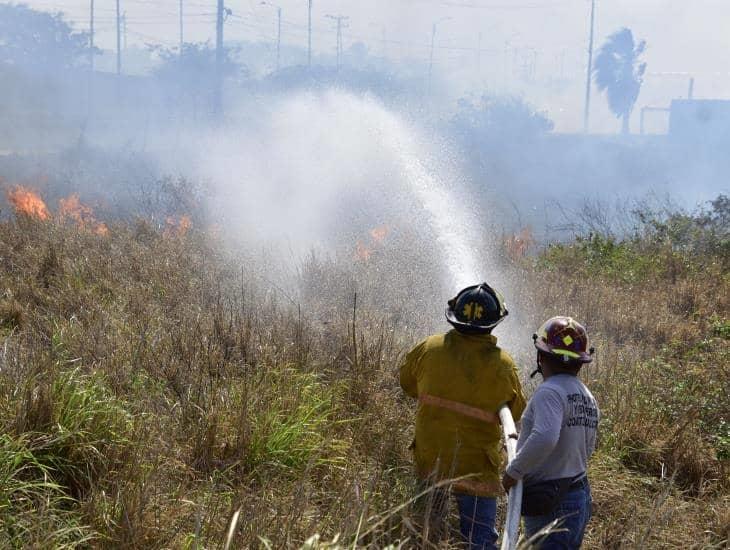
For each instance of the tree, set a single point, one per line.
(496, 120)
(619, 72)
(38, 42)
(501, 136)
(193, 72)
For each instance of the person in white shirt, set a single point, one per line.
(558, 437)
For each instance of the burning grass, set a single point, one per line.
(28, 203)
(71, 208)
(151, 387)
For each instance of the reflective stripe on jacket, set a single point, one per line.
(461, 381)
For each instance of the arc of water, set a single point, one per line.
(453, 224)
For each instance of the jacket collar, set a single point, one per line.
(475, 338)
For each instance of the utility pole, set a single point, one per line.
(479, 56)
(90, 83)
(509, 63)
(339, 19)
(119, 41)
(430, 59)
(91, 36)
(278, 31)
(278, 38)
(218, 89)
(309, 36)
(590, 70)
(181, 27)
(124, 30)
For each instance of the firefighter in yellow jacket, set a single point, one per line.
(461, 379)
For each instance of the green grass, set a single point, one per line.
(35, 510)
(294, 432)
(75, 426)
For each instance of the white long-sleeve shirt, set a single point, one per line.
(558, 431)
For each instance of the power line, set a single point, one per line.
(152, 39)
(507, 6)
(253, 23)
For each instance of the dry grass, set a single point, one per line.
(153, 386)
(662, 377)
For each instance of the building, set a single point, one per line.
(705, 121)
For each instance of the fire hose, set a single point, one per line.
(514, 499)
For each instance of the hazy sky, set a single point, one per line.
(547, 37)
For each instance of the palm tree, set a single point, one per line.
(619, 72)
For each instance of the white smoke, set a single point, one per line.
(319, 169)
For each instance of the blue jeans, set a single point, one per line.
(476, 521)
(574, 511)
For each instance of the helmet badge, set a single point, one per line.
(473, 310)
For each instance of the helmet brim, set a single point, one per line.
(582, 357)
(468, 327)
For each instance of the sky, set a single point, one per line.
(519, 46)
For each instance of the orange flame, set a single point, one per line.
(363, 252)
(379, 233)
(184, 225)
(71, 208)
(177, 227)
(28, 203)
(518, 245)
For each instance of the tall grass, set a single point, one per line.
(656, 303)
(153, 386)
(34, 510)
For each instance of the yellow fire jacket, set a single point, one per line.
(461, 381)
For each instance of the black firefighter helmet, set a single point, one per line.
(476, 309)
